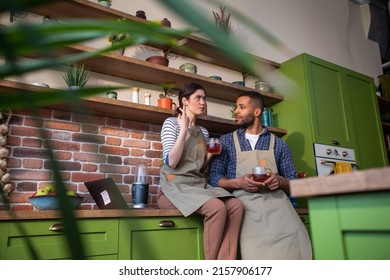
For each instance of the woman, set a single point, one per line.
(182, 182)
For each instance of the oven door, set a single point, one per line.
(326, 166)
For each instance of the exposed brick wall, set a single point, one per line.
(85, 147)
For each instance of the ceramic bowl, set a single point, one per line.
(157, 59)
(216, 78)
(189, 67)
(239, 83)
(40, 84)
(50, 202)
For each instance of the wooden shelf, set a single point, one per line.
(138, 70)
(384, 103)
(68, 9)
(106, 107)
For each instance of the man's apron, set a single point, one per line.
(271, 228)
(185, 186)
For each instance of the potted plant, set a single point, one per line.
(106, 3)
(75, 76)
(222, 20)
(116, 37)
(165, 101)
(160, 59)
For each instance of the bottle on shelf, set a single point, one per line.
(147, 98)
(135, 95)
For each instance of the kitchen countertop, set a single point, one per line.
(369, 180)
(107, 213)
(112, 213)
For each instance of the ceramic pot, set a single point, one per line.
(165, 103)
(189, 67)
(158, 59)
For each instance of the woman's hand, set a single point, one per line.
(183, 119)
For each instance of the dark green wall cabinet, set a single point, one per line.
(328, 104)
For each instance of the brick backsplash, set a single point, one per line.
(85, 148)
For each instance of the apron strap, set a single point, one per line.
(271, 142)
(236, 143)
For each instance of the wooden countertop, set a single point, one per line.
(376, 179)
(114, 213)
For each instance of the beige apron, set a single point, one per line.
(185, 186)
(271, 228)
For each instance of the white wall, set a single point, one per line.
(334, 30)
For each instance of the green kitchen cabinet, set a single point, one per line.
(328, 104)
(98, 236)
(161, 238)
(351, 226)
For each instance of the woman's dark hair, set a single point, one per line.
(254, 96)
(186, 91)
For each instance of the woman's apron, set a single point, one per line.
(185, 186)
(271, 228)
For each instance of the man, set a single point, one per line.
(271, 228)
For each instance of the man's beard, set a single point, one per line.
(250, 121)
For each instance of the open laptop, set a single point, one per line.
(106, 194)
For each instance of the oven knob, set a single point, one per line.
(344, 153)
(328, 151)
(335, 152)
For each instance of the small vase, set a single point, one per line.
(140, 14)
(165, 22)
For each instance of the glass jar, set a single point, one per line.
(262, 86)
(267, 117)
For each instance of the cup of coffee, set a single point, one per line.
(214, 146)
(260, 173)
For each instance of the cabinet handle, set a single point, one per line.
(57, 227)
(335, 142)
(166, 223)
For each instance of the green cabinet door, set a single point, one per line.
(351, 226)
(98, 236)
(161, 238)
(328, 108)
(365, 114)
